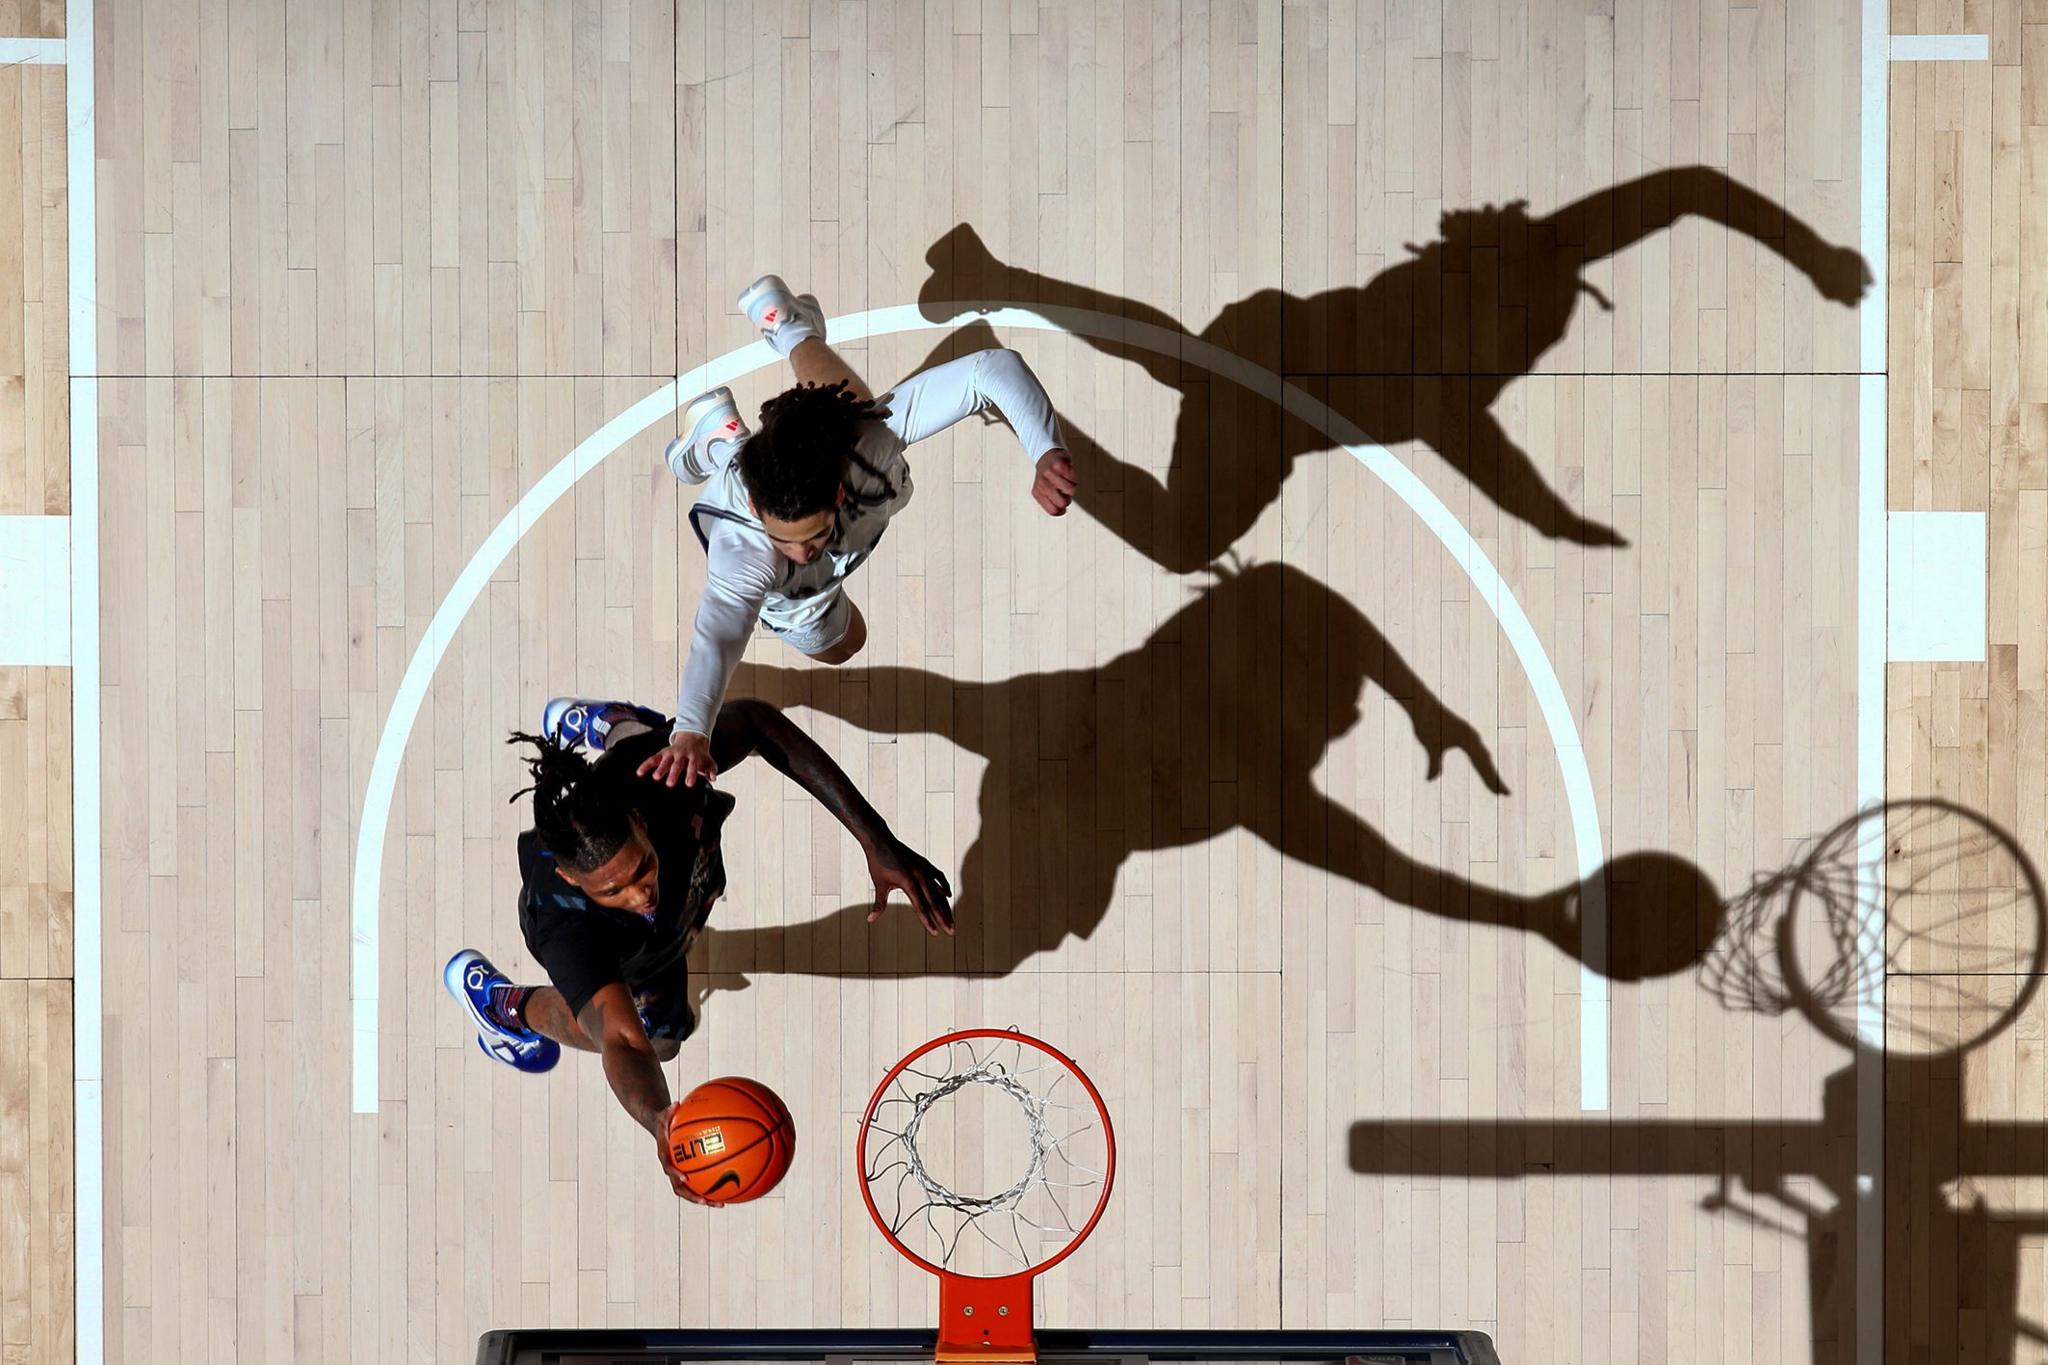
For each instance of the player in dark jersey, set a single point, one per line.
(619, 874)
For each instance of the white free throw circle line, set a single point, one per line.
(596, 447)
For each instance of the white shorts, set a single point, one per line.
(810, 625)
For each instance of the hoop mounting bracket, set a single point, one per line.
(985, 1321)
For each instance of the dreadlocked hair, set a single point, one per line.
(580, 809)
(794, 464)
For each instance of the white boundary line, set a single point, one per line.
(1936, 588)
(1872, 416)
(593, 449)
(1941, 47)
(88, 1131)
(31, 52)
(35, 583)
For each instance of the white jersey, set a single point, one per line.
(747, 574)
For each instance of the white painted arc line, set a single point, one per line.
(1452, 533)
(411, 694)
(593, 449)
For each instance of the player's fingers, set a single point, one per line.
(911, 893)
(668, 1167)
(919, 896)
(929, 910)
(1062, 476)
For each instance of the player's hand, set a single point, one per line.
(675, 1177)
(896, 868)
(1054, 485)
(686, 759)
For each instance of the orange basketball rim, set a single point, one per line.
(963, 1110)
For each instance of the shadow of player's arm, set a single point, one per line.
(883, 700)
(1619, 216)
(1438, 729)
(1313, 829)
(1472, 441)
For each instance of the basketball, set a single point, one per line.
(732, 1139)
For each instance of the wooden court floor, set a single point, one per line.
(1591, 412)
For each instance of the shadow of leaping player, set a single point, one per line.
(1218, 721)
(1423, 350)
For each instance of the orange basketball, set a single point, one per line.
(732, 1139)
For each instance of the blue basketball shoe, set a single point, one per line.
(583, 723)
(470, 977)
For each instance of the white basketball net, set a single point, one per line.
(977, 1105)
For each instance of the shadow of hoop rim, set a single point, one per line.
(1808, 1001)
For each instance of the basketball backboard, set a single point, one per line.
(612, 1347)
(907, 1143)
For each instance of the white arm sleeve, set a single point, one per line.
(932, 400)
(735, 585)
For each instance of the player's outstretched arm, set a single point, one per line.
(632, 1069)
(932, 400)
(747, 726)
(734, 588)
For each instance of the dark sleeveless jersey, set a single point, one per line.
(586, 946)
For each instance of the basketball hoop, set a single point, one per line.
(978, 1157)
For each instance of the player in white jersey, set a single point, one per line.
(789, 511)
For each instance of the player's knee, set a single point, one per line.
(665, 1049)
(850, 644)
(841, 652)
